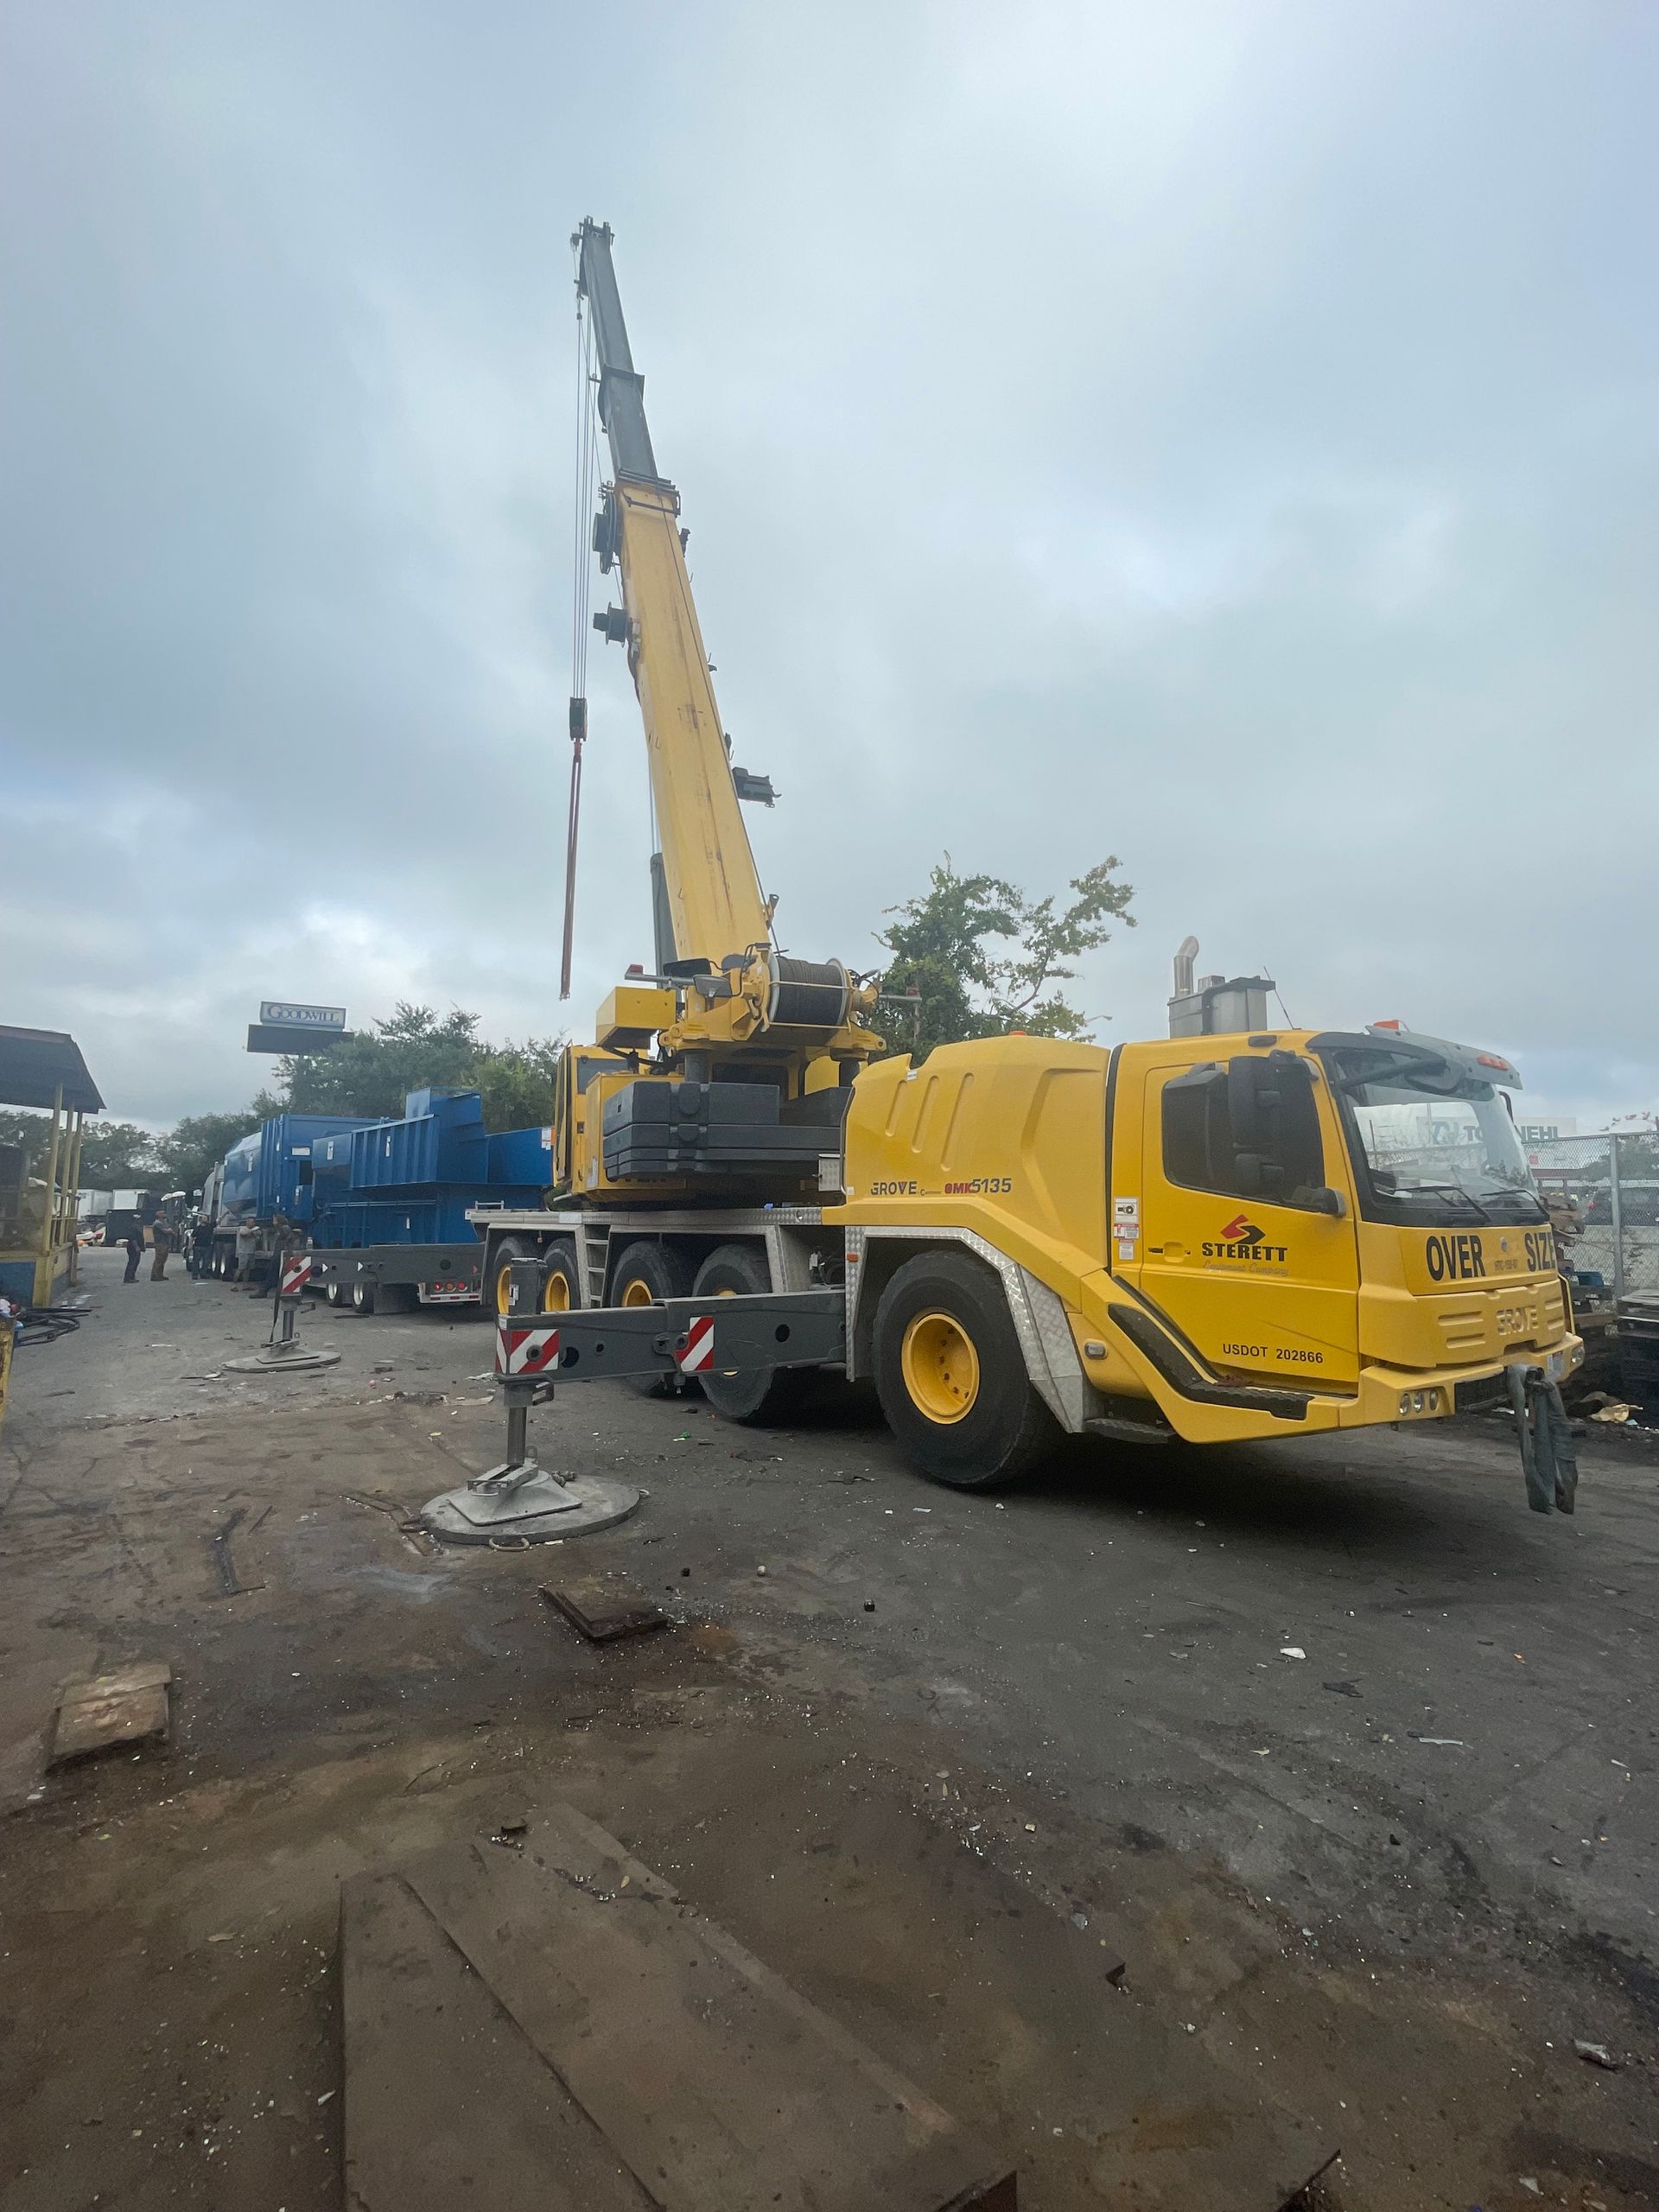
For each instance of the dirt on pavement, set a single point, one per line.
(1028, 1791)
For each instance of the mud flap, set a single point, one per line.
(1547, 1459)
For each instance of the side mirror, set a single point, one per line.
(1325, 1200)
(1257, 1176)
(1257, 1090)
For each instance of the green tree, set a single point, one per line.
(114, 1156)
(410, 1050)
(30, 1131)
(516, 1082)
(193, 1147)
(413, 1050)
(983, 958)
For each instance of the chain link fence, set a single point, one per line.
(1603, 1193)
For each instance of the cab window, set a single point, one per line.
(1246, 1127)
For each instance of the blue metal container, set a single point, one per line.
(440, 1140)
(283, 1170)
(239, 1189)
(522, 1156)
(436, 1215)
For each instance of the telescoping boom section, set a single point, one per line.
(716, 904)
(726, 1012)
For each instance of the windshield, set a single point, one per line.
(1433, 1145)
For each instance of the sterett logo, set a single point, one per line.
(1244, 1239)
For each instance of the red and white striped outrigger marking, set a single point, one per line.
(526, 1347)
(699, 1352)
(296, 1272)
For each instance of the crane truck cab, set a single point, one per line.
(1217, 1238)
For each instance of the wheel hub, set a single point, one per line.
(940, 1367)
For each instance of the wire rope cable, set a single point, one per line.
(587, 430)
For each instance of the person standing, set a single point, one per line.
(135, 1249)
(162, 1243)
(201, 1249)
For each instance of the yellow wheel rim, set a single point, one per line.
(637, 1294)
(556, 1293)
(940, 1367)
(502, 1287)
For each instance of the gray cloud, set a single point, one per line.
(1220, 435)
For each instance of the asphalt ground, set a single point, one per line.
(1366, 1899)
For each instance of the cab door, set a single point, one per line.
(1247, 1240)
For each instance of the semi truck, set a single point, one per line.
(1241, 1231)
(383, 1207)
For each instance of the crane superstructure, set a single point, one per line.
(725, 1006)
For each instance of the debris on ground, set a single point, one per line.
(132, 1706)
(604, 1612)
(1596, 2054)
(218, 1544)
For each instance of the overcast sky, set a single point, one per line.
(1226, 435)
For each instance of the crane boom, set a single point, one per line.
(715, 906)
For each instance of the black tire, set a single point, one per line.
(977, 1438)
(561, 1277)
(360, 1297)
(333, 1291)
(661, 1272)
(495, 1271)
(760, 1394)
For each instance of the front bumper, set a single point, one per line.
(1402, 1394)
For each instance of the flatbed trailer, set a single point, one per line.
(394, 1278)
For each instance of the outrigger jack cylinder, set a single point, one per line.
(520, 1500)
(284, 1354)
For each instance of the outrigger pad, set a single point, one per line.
(275, 1363)
(537, 1511)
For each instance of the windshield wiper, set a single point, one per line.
(1451, 1191)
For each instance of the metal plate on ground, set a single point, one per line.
(447, 2102)
(604, 1611)
(698, 2066)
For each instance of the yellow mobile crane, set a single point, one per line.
(1243, 1230)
